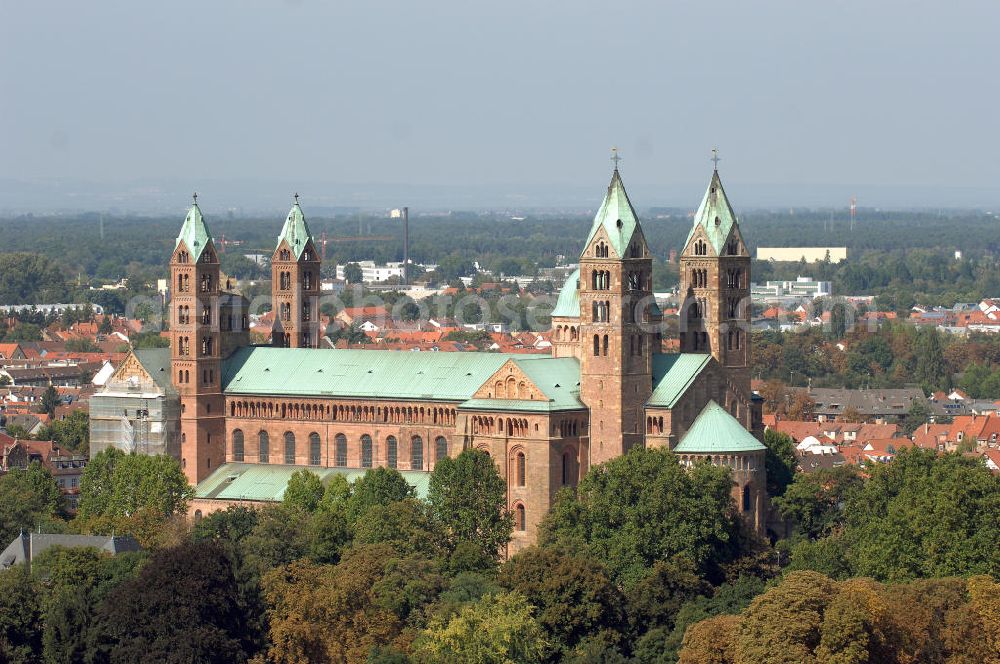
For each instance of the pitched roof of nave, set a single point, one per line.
(673, 373)
(385, 374)
(715, 215)
(616, 215)
(715, 431)
(194, 233)
(295, 231)
(568, 304)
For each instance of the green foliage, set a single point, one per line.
(23, 332)
(353, 273)
(20, 616)
(304, 490)
(779, 461)
(50, 399)
(72, 434)
(132, 493)
(573, 595)
(378, 486)
(148, 340)
(182, 606)
(645, 507)
(469, 498)
(924, 516)
(29, 497)
(815, 501)
(919, 415)
(499, 629)
(28, 278)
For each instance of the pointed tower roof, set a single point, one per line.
(616, 215)
(715, 215)
(716, 431)
(194, 233)
(295, 231)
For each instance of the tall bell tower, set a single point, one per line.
(617, 335)
(295, 274)
(196, 346)
(715, 286)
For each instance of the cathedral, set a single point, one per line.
(250, 415)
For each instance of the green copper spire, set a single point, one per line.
(617, 216)
(715, 215)
(295, 231)
(194, 233)
(716, 431)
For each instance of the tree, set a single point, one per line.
(406, 525)
(924, 516)
(710, 641)
(72, 434)
(645, 507)
(815, 501)
(20, 617)
(304, 490)
(656, 599)
(779, 461)
(931, 370)
(782, 626)
(322, 613)
(29, 497)
(468, 496)
(133, 493)
(918, 416)
(182, 607)
(801, 406)
(499, 629)
(353, 273)
(50, 399)
(573, 595)
(378, 486)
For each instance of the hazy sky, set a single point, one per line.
(806, 100)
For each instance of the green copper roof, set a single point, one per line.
(295, 231)
(714, 207)
(716, 431)
(267, 482)
(368, 374)
(194, 233)
(568, 303)
(557, 377)
(516, 405)
(617, 216)
(156, 362)
(672, 374)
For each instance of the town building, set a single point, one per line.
(807, 254)
(251, 414)
(372, 273)
(802, 287)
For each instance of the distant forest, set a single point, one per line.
(905, 256)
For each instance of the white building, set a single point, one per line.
(801, 287)
(372, 273)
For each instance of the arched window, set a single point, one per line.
(597, 345)
(605, 345)
(440, 448)
(340, 450)
(366, 451)
(262, 447)
(565, 468)
(237, 445)
(416, 453)
(391, 451)
(289, 447)
(521, 520)
(315, 449)
(746, 497)
(521, 469)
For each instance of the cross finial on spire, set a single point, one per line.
(194, 196)
(296, 198)
(615, 157)
(715, 157)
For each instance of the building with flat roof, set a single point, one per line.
(802, 287)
